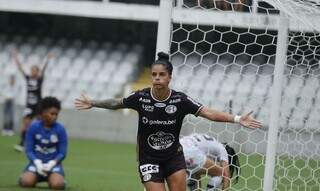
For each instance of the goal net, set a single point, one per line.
(224, 56)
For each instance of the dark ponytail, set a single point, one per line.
(234, 164)
(163, 59)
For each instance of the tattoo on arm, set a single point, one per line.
(108, 104)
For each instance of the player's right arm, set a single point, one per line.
(18, 63)
(85, 103)
(225, 175)
(29, 143)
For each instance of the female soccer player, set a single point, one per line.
(161, 111)
(46, 147)
(205, 155)
(34, 86)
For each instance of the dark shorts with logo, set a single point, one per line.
(30, 111)
(158, 171)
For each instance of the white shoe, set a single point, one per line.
(10, 133)
(18, 148)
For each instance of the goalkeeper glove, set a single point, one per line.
(39, 167)
(48, 166)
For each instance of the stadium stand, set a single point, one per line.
(100, 69)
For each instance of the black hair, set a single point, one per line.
(234, 164)
(163, 59)
(48, 102)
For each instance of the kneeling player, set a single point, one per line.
(205, 155)
(46, 147)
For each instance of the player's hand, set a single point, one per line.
(39, 167)
(250, 122)
(50, 55)
(83, 102)
(49, 165)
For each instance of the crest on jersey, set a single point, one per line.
(171, 109)
(54, 138)
(161, 140)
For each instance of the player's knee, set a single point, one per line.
(27, 182)
(57, 185)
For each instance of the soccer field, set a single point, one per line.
(100, 166)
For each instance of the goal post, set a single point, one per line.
(264, 57)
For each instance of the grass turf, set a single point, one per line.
(100, 166)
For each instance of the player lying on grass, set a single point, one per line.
(46, 147)
(204, 155)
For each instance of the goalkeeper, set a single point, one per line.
(46, 147)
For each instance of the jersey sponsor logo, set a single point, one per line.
(171, 109)
(149, 168)
(193, 101)
(160, 105)
(161, 140)
(175, 100)
(144, 100)
(148, 108)
(53, 138)
(158, 122)
(45, 141)
(145, 120)
(45, 150)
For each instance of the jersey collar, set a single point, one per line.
(159, 100)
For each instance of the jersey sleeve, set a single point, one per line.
(29, 142)
(132, 101)
(63, 144)
(190, 106)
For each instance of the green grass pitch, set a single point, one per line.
(100, 166)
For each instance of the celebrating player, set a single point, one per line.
(46, 147)
(161, 112)
(205, 155)
(34, 85)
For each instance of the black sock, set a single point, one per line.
(22, 138)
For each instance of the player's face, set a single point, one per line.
(50, 115)
(160, 76)
(34, 71)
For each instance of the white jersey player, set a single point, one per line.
(205, 152)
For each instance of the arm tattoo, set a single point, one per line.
(108, 104)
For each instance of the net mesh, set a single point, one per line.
(231, 69)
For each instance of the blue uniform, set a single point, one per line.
(46, 144)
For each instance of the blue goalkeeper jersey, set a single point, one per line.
(46, 143)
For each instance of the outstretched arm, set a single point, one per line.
(85, 103)
(46, 61)
(245, 120)
(16, 60)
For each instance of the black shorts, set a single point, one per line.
(158, 171)
(29, 112)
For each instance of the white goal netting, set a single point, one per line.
(231, 68)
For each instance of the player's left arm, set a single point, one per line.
(62, 146)
(219, 116)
